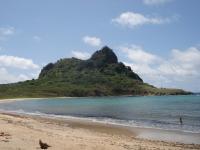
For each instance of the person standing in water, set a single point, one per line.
(181, 121)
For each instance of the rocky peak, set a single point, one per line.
(104, 56)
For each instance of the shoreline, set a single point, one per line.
(146, 132)
(25, 131)
(34, 121)
(23, 99)
(134, 133)
(31, 98)
(92, 120)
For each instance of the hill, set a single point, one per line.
(100, 75)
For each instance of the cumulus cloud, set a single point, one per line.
(6, 32)
(182, 63)
(14, 69)
(155, 2)
(7, 77)
(181, 69)
(80, 55)
(92, 41)
(132, 19)
(138, 55)
(17, 62)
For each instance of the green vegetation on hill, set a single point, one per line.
(101, 75)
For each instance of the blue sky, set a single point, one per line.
(159, 39)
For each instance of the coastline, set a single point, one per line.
(25, 131)
(31, 98)
(5, 100)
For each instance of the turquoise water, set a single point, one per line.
(149, 111)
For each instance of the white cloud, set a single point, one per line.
(155, 2)
(80, 55)
(189, 56)
(132, 19)
(182, 63)
(138, 55)
(6, 77)
(92, 41)
(181, 69)
(17, 62)
(37, 38)
(6, 32)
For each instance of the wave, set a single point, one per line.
(141, 123)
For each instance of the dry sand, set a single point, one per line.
(23, 133)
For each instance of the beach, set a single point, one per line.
(24, 132)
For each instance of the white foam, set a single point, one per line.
(125, 123)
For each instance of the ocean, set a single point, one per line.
(159, 112)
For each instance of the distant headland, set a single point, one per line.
(100, 75)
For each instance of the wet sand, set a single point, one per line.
(22, 132)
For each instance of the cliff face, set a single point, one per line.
(100, 75)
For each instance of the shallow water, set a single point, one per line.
(161, 112)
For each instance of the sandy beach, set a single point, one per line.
(23, 99)
(23, 132)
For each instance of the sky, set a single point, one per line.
(159, 39)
